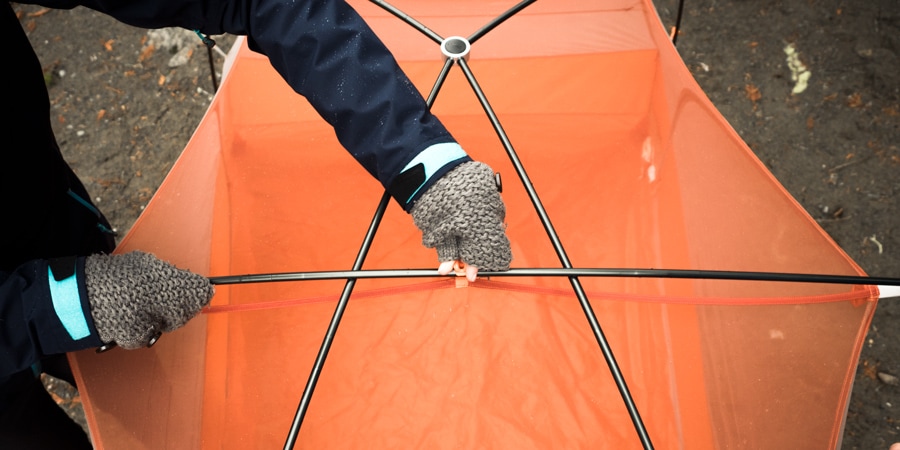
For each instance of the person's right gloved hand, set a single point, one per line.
(134, 297)
(461, 216)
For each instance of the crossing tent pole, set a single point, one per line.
(551, 232)
(409, 20)
(448, 63)
(345, 295)
(783, 277)
(499, 19)
(564, 259)
(333, 325)
(440, 80)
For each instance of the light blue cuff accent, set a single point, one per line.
(37, 369)
(433, 158)
(67, 304)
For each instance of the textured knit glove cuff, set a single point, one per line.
(447, 250)
(461, 216)
(135, 296)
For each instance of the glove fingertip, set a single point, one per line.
(210, 293)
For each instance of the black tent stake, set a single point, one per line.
(209, 43)
(677, 27)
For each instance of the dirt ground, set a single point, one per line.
(835, 146)
(125, 101)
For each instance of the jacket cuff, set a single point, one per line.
(64, 321)
(424, 169)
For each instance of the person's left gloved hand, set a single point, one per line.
(461, 215)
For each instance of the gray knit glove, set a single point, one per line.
(134, 297)
(461, 215)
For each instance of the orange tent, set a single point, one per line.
(633, 167)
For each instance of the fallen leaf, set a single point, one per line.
(110, 88)
(870, 370)
(108, 45)
(55, 397)
(162, 80)
(144, 194)
(39, 13)
(30, 25)
(752, 92)
(891, 111)
(831, 97)
(100, 114)
(146, 53)
(838, 213)
(810, 123)
(107, 182)
(855, 100)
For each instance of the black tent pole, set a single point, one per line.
(564, 259)
(677, 23)
(576, 284)
(409, 20)
(209, 43)
(498, 20)
(333, 325)
(784, 277)
(551, 232)
(435, 37)
(345, 298)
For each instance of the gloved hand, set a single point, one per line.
(136, 296)
(461, 215)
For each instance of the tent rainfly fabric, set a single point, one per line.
(611, 156)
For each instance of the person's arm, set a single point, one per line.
(31, 327)
(68, 304)
(326, 52)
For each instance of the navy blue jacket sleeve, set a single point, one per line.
(327, 53)
(30, 327)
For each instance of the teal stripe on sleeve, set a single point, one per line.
(67, 304)
(433, 158)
